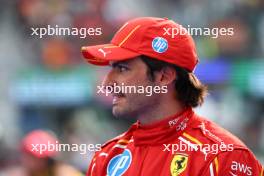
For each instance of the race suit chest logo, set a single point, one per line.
(178, 164)
(159, 44)
(119, 164)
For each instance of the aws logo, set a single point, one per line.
(178, 164)
(243, 168)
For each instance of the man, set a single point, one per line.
(168, 137)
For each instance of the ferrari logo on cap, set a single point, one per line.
(178, 164)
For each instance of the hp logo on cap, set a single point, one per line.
(159, 44)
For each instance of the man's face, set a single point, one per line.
(132, 72)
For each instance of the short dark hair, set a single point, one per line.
(190, 91)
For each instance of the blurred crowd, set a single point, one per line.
(45, 83)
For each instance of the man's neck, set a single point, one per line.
(160, 112)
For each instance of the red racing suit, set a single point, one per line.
(180, 145)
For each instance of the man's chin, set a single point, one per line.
(120, 113)
(117, 112)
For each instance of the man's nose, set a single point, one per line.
(108, 81)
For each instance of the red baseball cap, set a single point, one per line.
(158, 38)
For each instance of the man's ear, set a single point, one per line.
(166, 76)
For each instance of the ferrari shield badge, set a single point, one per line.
(178, 164)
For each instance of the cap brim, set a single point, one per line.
(103, 54)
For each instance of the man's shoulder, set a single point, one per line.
(113, 141)
(208, 132)
(122, 139)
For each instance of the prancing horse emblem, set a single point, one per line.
(178, 164)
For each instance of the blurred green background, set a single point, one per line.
(46, 84)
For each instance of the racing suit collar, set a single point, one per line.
(164, 130)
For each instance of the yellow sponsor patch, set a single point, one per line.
(178, 164)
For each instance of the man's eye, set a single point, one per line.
(122, 68)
